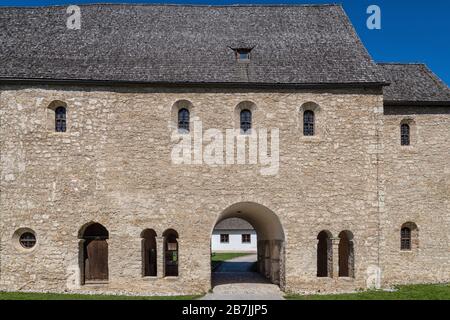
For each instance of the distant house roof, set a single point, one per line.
(413, 84)
(180, 44)
(233, 224)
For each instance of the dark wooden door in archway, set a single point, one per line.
(96, 260)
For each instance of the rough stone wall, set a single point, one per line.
(417, 181)
(113, 166)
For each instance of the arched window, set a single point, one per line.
(94, 255)
(183, 120)
(308, 123)
(170, 253)
(346, 255)
(409, 236)
(60, 119)
(246, 121)
(405, 134)
(405, 238)
(324, 255)
(148, 253)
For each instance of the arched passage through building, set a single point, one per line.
(270, 235)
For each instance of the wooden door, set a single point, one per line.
(96, 260)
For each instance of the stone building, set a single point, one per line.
(93, 201)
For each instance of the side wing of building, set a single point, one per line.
(416, 174)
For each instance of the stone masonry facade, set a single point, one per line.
(113, 166)
(93, 201)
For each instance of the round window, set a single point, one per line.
(27, 240)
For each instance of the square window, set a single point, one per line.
(246, 238)
(243, 54)
(224, 238)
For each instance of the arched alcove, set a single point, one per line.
(270, 236)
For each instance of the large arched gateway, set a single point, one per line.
(270, 236)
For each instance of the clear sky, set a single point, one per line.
(411, 30)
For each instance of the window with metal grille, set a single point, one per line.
(27, 240)
(308, 123)
(183, 120)
(246, 121)
(60, 119)
(224, 238)
(405, 240)
(405, 134)
(246, 238)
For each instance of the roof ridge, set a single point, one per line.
(293, 5)
(402, 63)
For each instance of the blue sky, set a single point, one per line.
(412, 30)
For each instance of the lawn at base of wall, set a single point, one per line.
(218, 257)
(57, 296)
(223, 256)
(408, 292)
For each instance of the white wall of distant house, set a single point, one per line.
(235, 241)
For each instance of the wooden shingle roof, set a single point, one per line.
(413, 84)
(182, 44)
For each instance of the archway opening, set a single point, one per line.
(346, 255)
(269, 238)
(170, 253)
(149, 253)
(94, 253)
(324, 255)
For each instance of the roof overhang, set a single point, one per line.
(405, 103)
(325, 85)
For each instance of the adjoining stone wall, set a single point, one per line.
(113, 166)
(417, 180)
(270, 260)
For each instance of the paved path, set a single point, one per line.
(234, 280)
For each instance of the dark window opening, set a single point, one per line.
(170, 253)
(308, 123)
(246, 121)
(405, 134)
(27, 240)
(246, 238)
(243, 54)
(224, 238)
(405, 239)
(346, 255)
(149, 253)
(324, 255)
(60, 119)
(183, 120)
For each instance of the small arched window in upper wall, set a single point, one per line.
(60, 119)
(183, 120)
(308, 123)
(405, 238)
(246, 121)
(405, 134)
